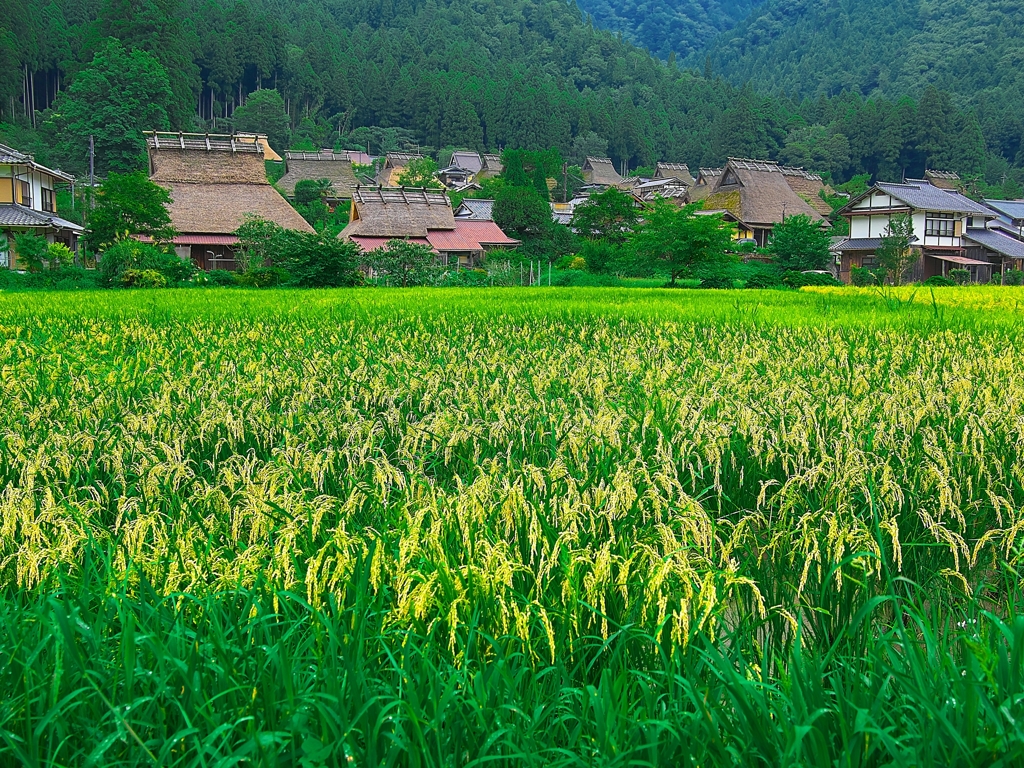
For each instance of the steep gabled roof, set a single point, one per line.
(214, 181)
(674, 171)
(943, 179)
(491, 167)
(757, 192)
(394, 165)
(999, 243)
(336, 167)
(398, 213)
(471, 161)
(599, 170)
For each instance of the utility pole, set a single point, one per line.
(565, 181)
(92, 168)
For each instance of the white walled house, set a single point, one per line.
(943, 221)
(28, 203)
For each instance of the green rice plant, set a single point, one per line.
(511, 527)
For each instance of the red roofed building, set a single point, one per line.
(421, 216)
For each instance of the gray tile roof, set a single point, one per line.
(9, 155)
(476, 210)
(14, 215)
(924, 196)
(858, 244)
(994, 241)
(1011, 209)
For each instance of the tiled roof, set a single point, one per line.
(10, 155)
(475, 210)
(925, 196)
(858, 244)
(1011, 209)
(993, 241)
(14, 215)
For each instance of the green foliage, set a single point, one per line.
(222, 277)
(679, 240)
(611, 215)
(796, 279)
(310, 202)
(142, 278)
(128, 254)
(895, 255)
(799, 243)
(513, 173)
(862, 277)
(259, 240)
(402, 264)
(128, 204)
(420, 172)
(33, 251)
(263, 112)
(540, 184)
(117, 96)
(60, 279)
(960, 276)
(1013, 277)
(521, 212)
(264, 277)
(319, 260)
(939, 281)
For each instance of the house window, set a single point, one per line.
(870, 262)
(48, 201)
(26, 194)
(939, 225)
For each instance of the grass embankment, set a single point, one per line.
(523, 527)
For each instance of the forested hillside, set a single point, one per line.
(973, 49)
(392, 73)
(668, 28)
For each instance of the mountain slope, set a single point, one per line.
(891, 48)
(683, 27)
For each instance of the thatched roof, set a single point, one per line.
(492, 167)
(943, 179)
(809, 187)
(221, 208)
(394, 165)
(674, 171)
(336, 167)
(215, 181)
(205, 159)
(757, 192)
(264, 142)
(399, 213)
(599, 170)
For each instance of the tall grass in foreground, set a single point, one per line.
(577, 528)
(99, 676)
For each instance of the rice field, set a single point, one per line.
(529, 527)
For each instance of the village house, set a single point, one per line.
(422, 216)
(475, 210)
(674, 171)
(394, 166)
(950, 230)
(214, 182)
(600, 173)
(335, 167)
(455, 177)
(492, 167)
(28, 203)
(760, 194)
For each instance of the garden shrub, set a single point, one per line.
(938, 281)
(127, 254)
(222, 277)
(264, 277)
(717, 282)
(862, 277)
(142, 278)
(1013, 277)
(764, 280)
(800, 279)
(960, 276)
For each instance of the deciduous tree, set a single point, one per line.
(680, 239)
(895, 255)
(799, 243)
(128, 204)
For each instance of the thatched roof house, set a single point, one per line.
(394, 166)
(336, 167)
(422, 216)
(674, 171)
(214, 182)
(263, 141)
(600, 171)
(492, 167)
(758, 193)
